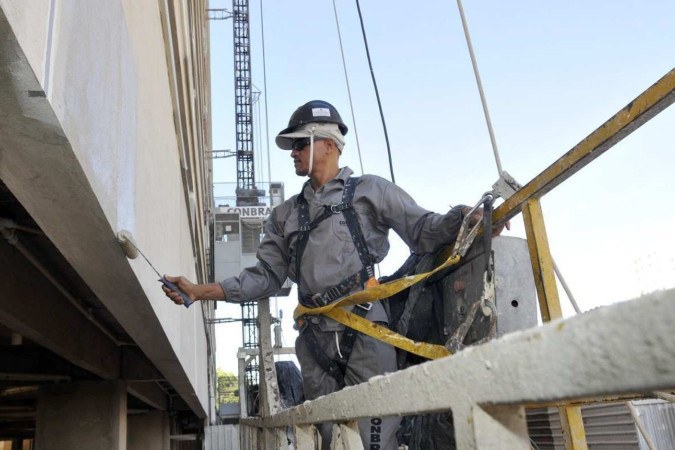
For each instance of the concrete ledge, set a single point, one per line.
(624, 348)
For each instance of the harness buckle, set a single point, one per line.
(318, 300)
(337, 209)
(366, 306)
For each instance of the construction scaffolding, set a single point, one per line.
(623, 351)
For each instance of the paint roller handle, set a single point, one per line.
(186, 299)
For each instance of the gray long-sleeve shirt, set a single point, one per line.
(330, 255)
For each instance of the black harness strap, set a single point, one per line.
(341, 289)
(330, 366)
(335, 367)
(349, 337)
(487, 235)
(351, 217)
(305, 228)
(354, 226)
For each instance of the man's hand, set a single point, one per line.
(497, 231)
(184, 285)
(209, 291)
(477, 216)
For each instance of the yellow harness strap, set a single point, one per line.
(384, 334)
(337, 312)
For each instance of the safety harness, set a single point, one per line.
(332, 302)
(446, 260)
(335, 367)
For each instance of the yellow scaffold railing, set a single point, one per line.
(526, 200)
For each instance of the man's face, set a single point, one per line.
(300, 154)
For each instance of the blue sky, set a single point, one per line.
(552, 72)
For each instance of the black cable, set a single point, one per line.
(487, 233)
(377, 93)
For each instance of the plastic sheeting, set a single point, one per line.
(290, 384)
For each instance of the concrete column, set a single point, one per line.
(148, 431)
(89, 414)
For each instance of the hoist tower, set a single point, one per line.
(231, 228)
(247, 193)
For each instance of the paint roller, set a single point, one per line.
(132, 251)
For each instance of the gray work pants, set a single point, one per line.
(369, 357)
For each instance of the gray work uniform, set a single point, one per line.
(329, 258)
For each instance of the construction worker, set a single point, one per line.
(327, 239)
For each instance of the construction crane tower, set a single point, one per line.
(247, 193)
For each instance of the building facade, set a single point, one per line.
(104, 126)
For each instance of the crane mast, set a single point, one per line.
(247, 193)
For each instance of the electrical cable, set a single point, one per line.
(480, 87)
(349, 92)
(267, 128)
(377, 92)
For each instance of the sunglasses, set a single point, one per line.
(299, 144)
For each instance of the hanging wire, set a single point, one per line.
(377, 92)
(480, 88)
(563, 283)
(258, 132)
(267, 128)
(349, 92)
(493, 140)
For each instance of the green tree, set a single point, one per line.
(228, 387)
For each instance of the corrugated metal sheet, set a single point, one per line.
(544, 429)
(608, 426)
(221, 437)
(658, 418)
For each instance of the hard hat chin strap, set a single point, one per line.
(311, 151)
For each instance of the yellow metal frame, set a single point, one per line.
(648, 104)
(526, 200)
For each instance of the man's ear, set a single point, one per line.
(331, 146)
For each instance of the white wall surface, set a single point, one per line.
(103, 65)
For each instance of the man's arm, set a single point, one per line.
(422, 230)
(262, 280)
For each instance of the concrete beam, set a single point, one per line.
(149, 393)
(33, 307)
(136, 367)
